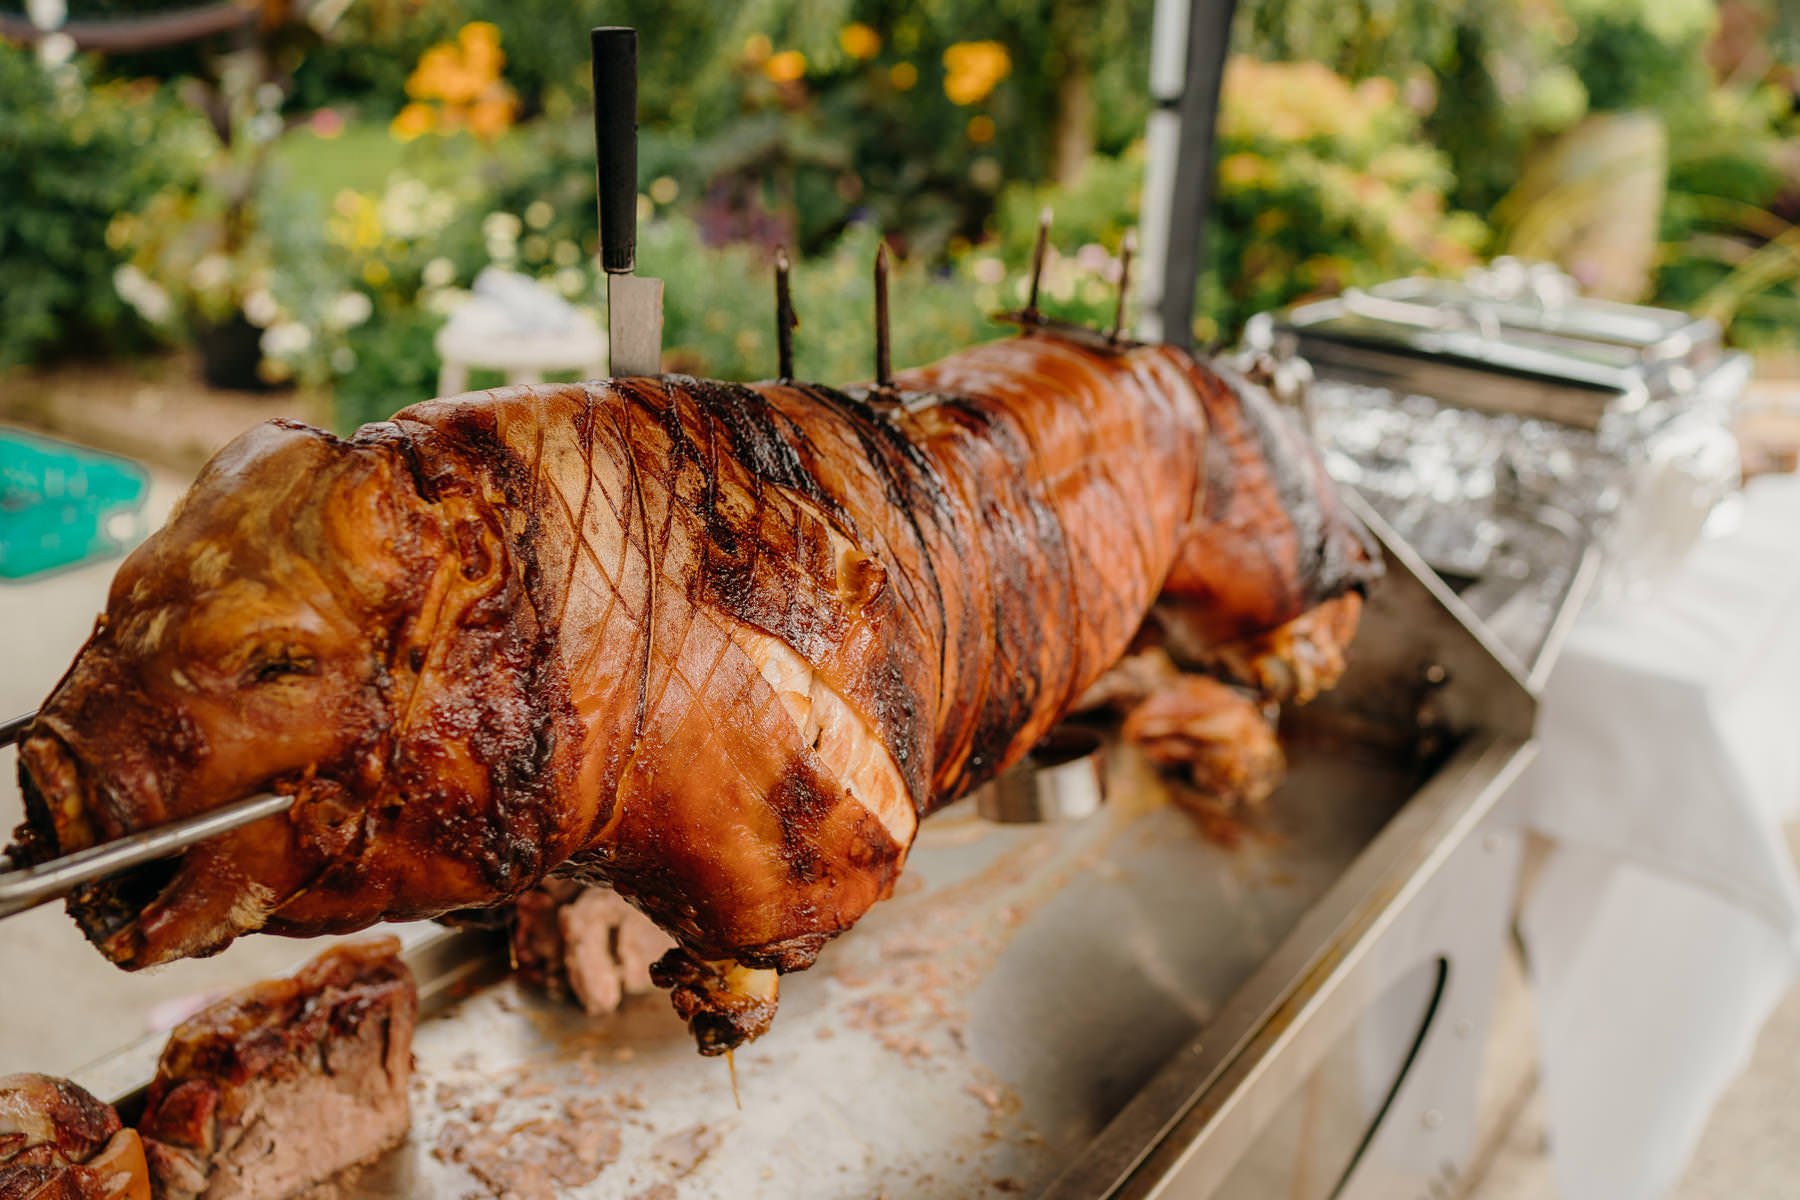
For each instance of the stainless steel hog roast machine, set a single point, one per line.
(1063, 998)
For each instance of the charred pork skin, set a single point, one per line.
(717, 646)
(282, 1085)
(57, 1142)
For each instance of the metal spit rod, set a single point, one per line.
(11, 731)
(29, 887)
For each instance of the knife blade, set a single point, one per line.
(634, 312)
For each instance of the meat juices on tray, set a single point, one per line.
(717, 646)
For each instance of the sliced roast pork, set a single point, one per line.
(282, 1085)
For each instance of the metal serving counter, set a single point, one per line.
(1124, 1004)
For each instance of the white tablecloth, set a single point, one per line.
(1666, 922)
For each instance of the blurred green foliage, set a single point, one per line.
(72, 155)
(1362, 139)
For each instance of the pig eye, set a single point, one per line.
(279, 662)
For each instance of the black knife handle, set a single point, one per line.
(615, 143)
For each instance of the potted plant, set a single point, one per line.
(203, 257)
(201, 263)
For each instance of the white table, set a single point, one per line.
(520, 357)
(1666, 922)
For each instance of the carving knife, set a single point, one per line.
(634, 312)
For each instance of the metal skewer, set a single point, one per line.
(1038, 253)
(32, 886)
(1032, 320)
(11, 731)
(785, 321)
(1127, 248)
(884, 359)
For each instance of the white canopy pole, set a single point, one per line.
(1189, 41)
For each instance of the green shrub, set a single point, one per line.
(1321, 185)
(72, 156)
(371, 52)
(1724, 252)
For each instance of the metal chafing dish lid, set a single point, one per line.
(1509, 338)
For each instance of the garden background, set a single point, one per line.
(322, 180)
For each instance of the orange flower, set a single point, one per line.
(786, 67)
(973, 69)
(464, 77)
(480, 45)
(981, 129)
(436, 67)
(488, 118)
(904, 76)
(413, 121)
(859, 41)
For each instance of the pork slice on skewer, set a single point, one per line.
(573, 941)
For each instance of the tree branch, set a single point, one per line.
(133, 35)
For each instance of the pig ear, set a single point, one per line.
(381, 536)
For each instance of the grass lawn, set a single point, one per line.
(360, 158)
(363, 156)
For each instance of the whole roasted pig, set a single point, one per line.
(717, 646)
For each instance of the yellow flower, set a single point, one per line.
(859, 41)
(786, 67)
(972, 69)
(981, 129)
(375, 273)
(757, 49)
(903, 76)
(1241, 170)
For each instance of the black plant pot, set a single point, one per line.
(230, 352)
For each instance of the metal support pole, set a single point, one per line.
(1189, 44)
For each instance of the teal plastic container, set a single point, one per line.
(62, 505)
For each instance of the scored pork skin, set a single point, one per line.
(1273, 540)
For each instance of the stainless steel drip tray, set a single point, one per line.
(1008, 1017)
(973, 1035)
